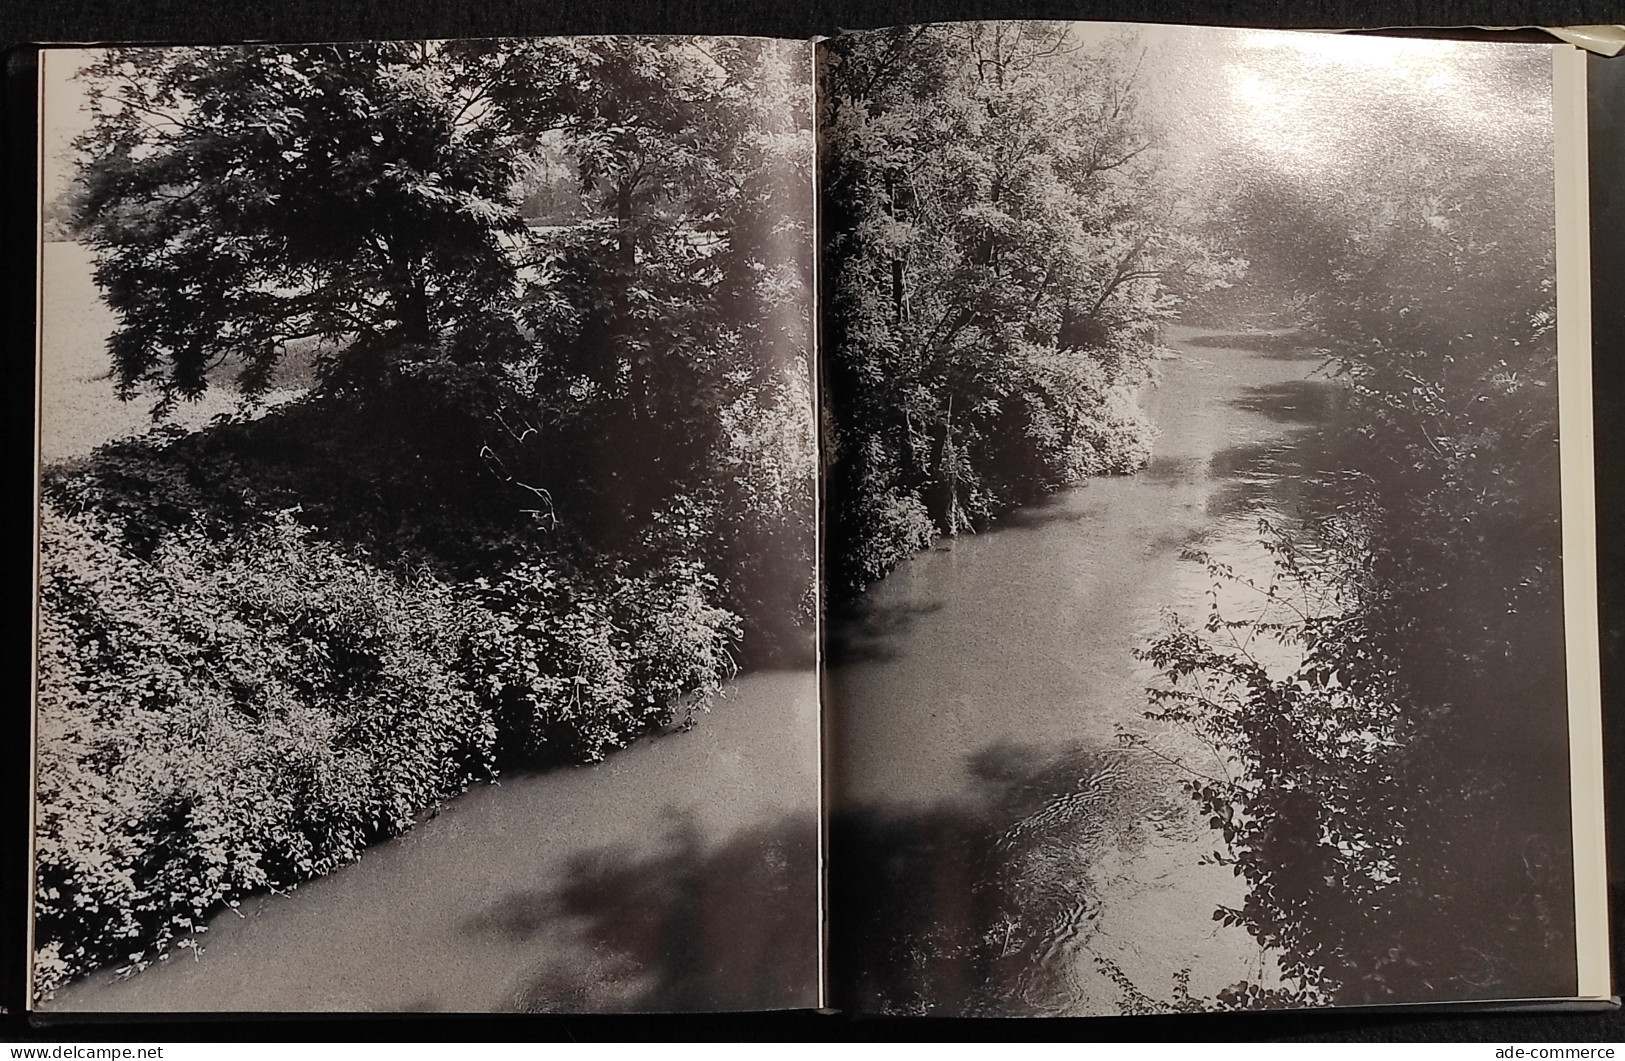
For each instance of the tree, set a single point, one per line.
(998, 262)
(630, 379)
(243, 198)
(1391, 788)
(686, 292)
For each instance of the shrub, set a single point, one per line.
(228, 716)
(890, 528)
(571, 670)
(230, 700)
(1395, 842)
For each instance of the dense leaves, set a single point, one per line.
(229, 702)
(224, 716)
(552, 481)
(998, 258)
(1305, 786)
(243, 198)
(1390, 727)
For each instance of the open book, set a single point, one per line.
(992, 518)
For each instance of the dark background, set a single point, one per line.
(26, 22)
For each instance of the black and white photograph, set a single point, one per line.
(1195, 543)
(981, 519)
(427, 549)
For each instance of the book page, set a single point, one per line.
(428, 535)
(1196, 545)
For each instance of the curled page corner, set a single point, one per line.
(1604, 40)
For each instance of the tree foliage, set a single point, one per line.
(1306, 787)
(555, 467)
(1395, 779)
(242, 198)
(997, 265)
(371, 197)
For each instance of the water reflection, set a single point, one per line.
(989, 904)
(683, 927)
(1299, 401)
(1052, 870)
(1045, 513)
(1175, 471)
(1274, 474)
(1286, 345)
(868, 632)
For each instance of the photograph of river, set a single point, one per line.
(1196, 632)
(427, 533)
(988, 519)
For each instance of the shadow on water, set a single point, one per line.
(1275, 346)
(1253, 477)
(673, 926)
(986, 905)
(1279, 472)
(1045, 512)
(1175, 471)
(867, 632)
(1303, 401)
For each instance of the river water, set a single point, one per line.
(680, 874)
(978, 685)
(991, 677)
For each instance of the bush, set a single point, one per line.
(229, 702)
(1389, 801)
(224, 717)
(889, 529)
(572, 670)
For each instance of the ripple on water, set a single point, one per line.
(998, 670)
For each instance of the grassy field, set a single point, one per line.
(79, 409)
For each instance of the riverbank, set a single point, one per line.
(616, 888)
(994, 665)
(679, 874)
(981, 669)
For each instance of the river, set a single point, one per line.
(678, 875)
(974, 685)
(991, 677)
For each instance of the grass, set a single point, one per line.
(79, 409)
